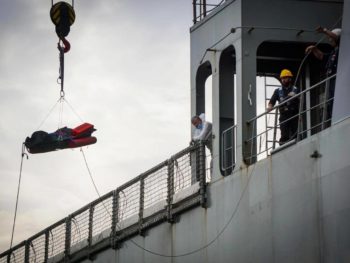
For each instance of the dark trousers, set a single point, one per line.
(288, 126)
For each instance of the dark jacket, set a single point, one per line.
(281, 94)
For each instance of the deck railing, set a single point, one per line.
(202, 8)
(312, 118)
(155, 196)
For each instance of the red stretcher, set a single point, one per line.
(64, 138)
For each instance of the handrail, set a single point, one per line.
(203, 11)
(223, 149)
(291, 98)
(106, 211)
(300, 131)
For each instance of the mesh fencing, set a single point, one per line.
(80, 228)
(18, 255)
(183, 172)
(102, 216)
(57, 240)
(129, 201)
(37, 250)
(96, 219)
(156, 187)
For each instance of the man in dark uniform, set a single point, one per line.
(331, 61)
(289, 111)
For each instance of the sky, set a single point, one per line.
(128, 73)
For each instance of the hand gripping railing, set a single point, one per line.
(303, 109)
(155, 196)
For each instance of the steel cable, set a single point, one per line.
(195, 250)
(18, 190)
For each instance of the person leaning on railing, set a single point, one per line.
(289, 111)
(330, 60)
(203, 130)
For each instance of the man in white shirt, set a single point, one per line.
(203, 130)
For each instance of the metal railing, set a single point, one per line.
(304, 129)
(202, 8)
(155, 196)
(228, 142)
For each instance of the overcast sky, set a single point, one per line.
(127, 73)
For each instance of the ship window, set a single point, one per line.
(227, 105)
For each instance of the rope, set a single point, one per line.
(90, 174)
(18, 189)
(307, 54)
(213, 240)
(72, 109)
(235, 210)
(49, 113)
(179, 175)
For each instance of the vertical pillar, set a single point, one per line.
(68, 237)
(170, 183)
(194, 12)
(46, 252)
(26, 251)
(91, 219)
(248, 96)
(114, 217)
(142, 201)
(308, 101)
(202, 175)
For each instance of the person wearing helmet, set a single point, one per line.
(330, 60)
(289, 111)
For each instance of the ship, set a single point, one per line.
(250, 199)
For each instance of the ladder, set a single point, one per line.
(272, 115)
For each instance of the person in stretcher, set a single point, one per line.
(63, 138)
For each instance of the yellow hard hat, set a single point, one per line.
(286, 73)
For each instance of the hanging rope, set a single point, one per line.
(48, 114)
(73, 110)
(18, 189)
(235, 210)
(308, 53)
(88, 169)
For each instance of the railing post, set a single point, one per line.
(325, 106)
(91, 221)
(68, 237)
(300, 119)
(26, 251)
(170, 183)
(204, 8)
(201, 172)
(194, 11)
(275, 130)
(114, 217)
(142, 201)
(46, 252)
(252, 154)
